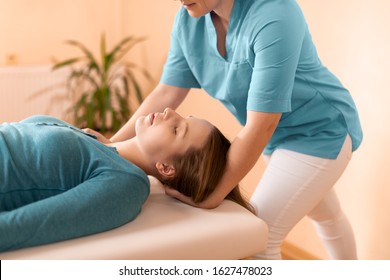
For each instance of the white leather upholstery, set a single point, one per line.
(165, 229)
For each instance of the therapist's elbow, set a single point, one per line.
(264, 123)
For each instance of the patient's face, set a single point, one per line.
(162, 136)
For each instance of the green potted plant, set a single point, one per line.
(102, 90)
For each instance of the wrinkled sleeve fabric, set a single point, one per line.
(102, 203)
(277, 47)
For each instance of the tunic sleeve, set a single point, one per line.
(277, 48)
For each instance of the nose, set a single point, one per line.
(169, 113)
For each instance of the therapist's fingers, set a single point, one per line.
(178, 195)
(100, 137)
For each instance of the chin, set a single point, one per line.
(196, 14)
(197, 11)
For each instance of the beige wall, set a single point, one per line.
(34, 31)
(352, 38)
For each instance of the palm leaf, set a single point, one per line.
(103, 54)
(90, 115)
(66, 63)
(78, 109)
(135, 85)
(87, 53)
(80, 76)
(117, 48)
(101, 91)
(125, 48)
(110, 55)
(143, 71)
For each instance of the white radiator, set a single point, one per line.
(19, 87)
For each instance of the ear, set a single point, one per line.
(165, 170)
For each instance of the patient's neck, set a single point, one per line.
(130, 151)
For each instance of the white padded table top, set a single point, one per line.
(165, 229)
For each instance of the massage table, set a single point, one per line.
(165, 229)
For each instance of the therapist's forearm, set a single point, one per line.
(243, 154)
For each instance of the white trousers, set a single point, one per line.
(295, 185)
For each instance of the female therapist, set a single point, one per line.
(257, 57)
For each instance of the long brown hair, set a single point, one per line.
(198, 171)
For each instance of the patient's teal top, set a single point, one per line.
(271, 65)
(57, 183)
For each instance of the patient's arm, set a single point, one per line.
(102, 203)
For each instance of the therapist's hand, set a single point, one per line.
(186, 199)
(100, 137)
(178, 195)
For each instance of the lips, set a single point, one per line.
(188, 5)
(151, 118)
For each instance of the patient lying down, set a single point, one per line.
(58, 182)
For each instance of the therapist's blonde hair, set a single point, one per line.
(199, 171)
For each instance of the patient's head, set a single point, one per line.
(200, 170)
(190, 153)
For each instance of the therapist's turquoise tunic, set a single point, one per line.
(271, 65)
